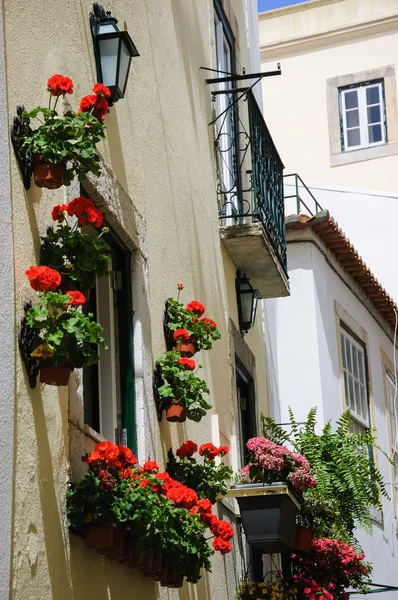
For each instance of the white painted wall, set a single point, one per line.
(309, 369)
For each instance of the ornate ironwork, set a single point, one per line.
(250, 182)
(168, 334)
(20, 129)
(157, 382)
(26, 343)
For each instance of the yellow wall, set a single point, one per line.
(313, 42)
(159, 192)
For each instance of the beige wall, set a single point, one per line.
(158, 192)
(314, 42)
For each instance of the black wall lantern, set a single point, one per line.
(113, 51)
(247, 298)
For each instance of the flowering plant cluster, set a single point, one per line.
(161, 513)
(260, 590)
(269, 462)
(207, 478)
(181, 382)
(64, 336)
(330, 569)
(72, 137)
(187, 323)
(79, 257)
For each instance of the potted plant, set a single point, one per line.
(144, 518)
(267, 492)
(277, 589)
(183, 392)
(186, 328)
(63, 147)
(207, 478)
(64, 336)
(331, 568)
(79, 257)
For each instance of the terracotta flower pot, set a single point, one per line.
(99, 536)
(52, 375)
(188, 348)
(303, 539)
(47, 175)
(175, 412)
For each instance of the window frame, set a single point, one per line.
(363, 124)
(359, 345)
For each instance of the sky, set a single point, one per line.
(271, 4)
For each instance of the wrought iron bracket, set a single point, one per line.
(20, 129)
(243, 76)
(168, 334)
(26, 342)
(157, 382)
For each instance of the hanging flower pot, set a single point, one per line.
(47, 175)
(171, 578)
(175, 412)
(52, 375)
(156, 566)
(304, 538)
(268, 515)
(99, 536)
(188, 348)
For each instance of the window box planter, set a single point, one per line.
(268, 515)
(52, 375)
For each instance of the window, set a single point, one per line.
(108, 387)
(246, 408)
(226, 125)
(355, 381)
(363, 116)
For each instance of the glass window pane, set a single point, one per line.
(375, 134)
(361, 365)
(351, 401)
(351, 99)
(353, 137)
(374, 114)
(124, 65)
(355, 362)
(358, 401)
(372, 95)
(349, 356)
(352, 117)
(343, 351)
(346, 385)
(108, 52)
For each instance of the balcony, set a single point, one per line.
(250, 193)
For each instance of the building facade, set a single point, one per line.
(336, 99)
(162, 189)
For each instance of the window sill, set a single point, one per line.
(94, 435)
(363, 154)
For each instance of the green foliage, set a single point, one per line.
(70, 138)
(207, 479)
(66, 334)
(181, 383)
(203, 333)
(79, 256)
(348, 481)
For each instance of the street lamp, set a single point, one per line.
(113, 51)
(247, 298)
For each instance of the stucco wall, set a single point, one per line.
(158, 191)
(310, 372)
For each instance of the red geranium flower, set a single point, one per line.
(195, 307)
(208, 450)
(97, 105)
(149, 466)
(180, 286)
(57, 212)
(85, 211)
(187, 449)
(223, 450)
(209, 519)
(188, 363)
(221, 545)
(181, 335)
(76, 298)
(101, 90)
(223, 530)
(43, 278)
(59, 85)
(209, 322)
(205, 506)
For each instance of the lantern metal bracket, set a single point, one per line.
(20, 128)
(168, 334)
(26, 343)
(157, 382)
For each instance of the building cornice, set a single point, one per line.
(327, 37)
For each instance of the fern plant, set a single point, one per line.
(347, 477)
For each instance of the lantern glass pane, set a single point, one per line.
(124, 64)
(253, 316)
(246, 300)
(106, 28)
(108, 50)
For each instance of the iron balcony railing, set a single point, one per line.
(250, 182)
(298, 197)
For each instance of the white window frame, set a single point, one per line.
(358, 383)
(363, 118)
(393, 417)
